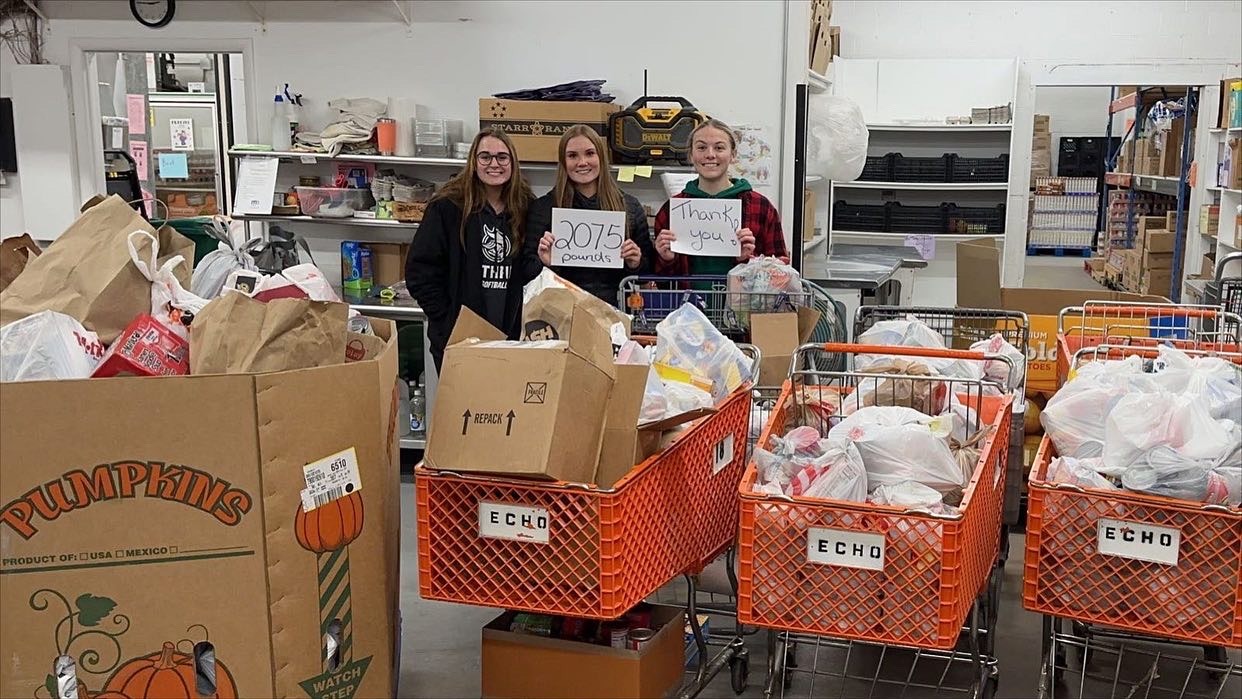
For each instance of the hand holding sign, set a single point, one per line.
(587, 238)
(706, 227)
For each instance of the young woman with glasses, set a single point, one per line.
(713, 148)
(468, 250)
(584, 180)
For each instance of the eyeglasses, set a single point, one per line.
(486, 158)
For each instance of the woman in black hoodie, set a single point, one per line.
(584, 181)
(468, 250)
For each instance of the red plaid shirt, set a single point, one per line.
(758, 215)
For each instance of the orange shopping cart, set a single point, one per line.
(1144, 325)
(916, 607)
(1133, 583)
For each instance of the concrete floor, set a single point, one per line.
(440, 642)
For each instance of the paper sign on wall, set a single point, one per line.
(706, 227)
(136, 110)
(586, 238)
(182, 133)
(924, 243)
(138, 149)
(256, 181)
(173, 166)
(196, 86)
(117, 137)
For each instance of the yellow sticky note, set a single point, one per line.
(643, 171)
(626, 174)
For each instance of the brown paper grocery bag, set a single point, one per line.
(87, 272)
(548, 313)
(15, 253)
(235, 334)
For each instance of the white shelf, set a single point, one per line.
(902, 236)
(934, 186)
(311, 158)
(1225, 190)
(1228, 244)
(379, 222)
(817, 82)
(814, 242)
(411, 443)
(939, 127)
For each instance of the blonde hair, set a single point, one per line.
(609, 193)
(719, 126)
(466, 190)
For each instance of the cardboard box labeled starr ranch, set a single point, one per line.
(239, 511)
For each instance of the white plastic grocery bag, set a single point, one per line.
(48, 346)
(901, 444)
(171, 304)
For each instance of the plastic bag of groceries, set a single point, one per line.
(837, 138)
(997, 370)
(1216, 380)
(171, 304)
(309, 278)
(230, 254)
(764, 285)
(1074, 416)
(682, 398)
(1173, 429)
(687, 342)
(927, 397)
(901, 444)
(1083, 473)
(843, 476)
(912, 332)
(910, 495)
(48, 346)
(655, 402)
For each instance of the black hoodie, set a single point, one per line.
(485, 275)
(602, 283)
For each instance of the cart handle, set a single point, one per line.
(1146, 311)
(903, 351)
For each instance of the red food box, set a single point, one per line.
(145, 348)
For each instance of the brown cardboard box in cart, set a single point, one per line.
(777, 335)
(175, 515)
(526, 409)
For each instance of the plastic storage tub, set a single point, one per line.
(332, 202)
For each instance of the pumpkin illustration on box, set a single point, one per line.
(167, 674)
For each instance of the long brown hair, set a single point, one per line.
(467, 191)
(609, 194)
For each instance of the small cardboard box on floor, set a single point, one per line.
(140, 516)
(982, 289)
(517, 666)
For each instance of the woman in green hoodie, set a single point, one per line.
(712, 149)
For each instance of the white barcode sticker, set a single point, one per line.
(1143, 542)
(722, 454)
(330, 478)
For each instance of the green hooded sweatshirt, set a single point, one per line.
(715, 266)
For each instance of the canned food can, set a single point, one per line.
(640, 638)
(618, 637)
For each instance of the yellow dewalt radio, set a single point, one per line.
(642, 134)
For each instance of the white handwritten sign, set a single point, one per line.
(706, 227)
(587, 238)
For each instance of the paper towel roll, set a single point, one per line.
(403, 111)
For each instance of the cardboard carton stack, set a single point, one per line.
(825, 40)
(1041, 147)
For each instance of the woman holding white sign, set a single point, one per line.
(692, 244)
(595, 255)
(469, 249)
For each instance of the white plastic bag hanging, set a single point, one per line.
(998, 370)
(171, 304)
(48, 346)
(837, 138)
(230, 255)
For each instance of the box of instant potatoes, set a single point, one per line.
(201, 536)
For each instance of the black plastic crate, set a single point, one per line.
(965, 169)
(917, 219)
(967, 220)
(859, 217)
(879, 168)
(921, 169)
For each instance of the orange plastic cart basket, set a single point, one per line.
(934, 567)
(1197, 598)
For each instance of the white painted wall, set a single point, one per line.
(11, 220)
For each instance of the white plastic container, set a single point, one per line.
(332, 202)
(281, 139)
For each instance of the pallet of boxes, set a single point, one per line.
(1041, 147)
(188, 507)
(571, 473)
(825, 38)
(1147, 268)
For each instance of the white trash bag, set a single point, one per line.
(837, 138)
(901, 444)
(230, 255)
(48, 346)
(171, 304)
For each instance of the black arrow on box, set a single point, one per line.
(509, 427)
(465, 420)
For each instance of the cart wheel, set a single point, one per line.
(739, 671)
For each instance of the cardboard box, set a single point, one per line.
(1157, 241)
(808, 214)
(1041, 141)
(1125, 90)
(1226, 102)
(1170, 150)
(1043, 124)
(1208, 267)
(620, 449)
(1156, 282)
(523, 409)
(176, 512)
(517, 666)
(1170, 221)
(145, 348)
(1209, 219)
(1157, 260)
(981, 289)
(821, 49)
(388, 262)
(778, 335)
(536, 127)
(1148, 223)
